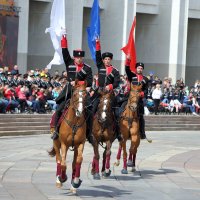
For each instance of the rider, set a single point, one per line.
(76, 69)
(144, 81)
(108, 78)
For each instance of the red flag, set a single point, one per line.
(129, 49)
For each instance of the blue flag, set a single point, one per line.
(94, 29)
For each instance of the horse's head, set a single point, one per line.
(104, 107)
(79, 98)
(134, 97)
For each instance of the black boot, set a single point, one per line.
(55, 135)
(89, 134)
(118, 132)
(142, 127)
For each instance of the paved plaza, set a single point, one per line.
(167, 169)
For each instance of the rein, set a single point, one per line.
(134, 114)
(108, 121)
(73, 126)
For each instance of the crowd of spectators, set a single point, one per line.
(36, 91)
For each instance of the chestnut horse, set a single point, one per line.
(103, 132)
(72, 133)
(129, 127)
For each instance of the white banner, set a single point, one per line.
(56, 29)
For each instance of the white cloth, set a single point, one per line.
(56, 29)
(157, 93)
(146, 111)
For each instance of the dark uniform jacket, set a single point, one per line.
(145, 82)
(72, 74)
(131, 77)
(105, 79)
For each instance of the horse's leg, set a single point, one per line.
(107, 159)
(104, 161)
(133, 159)
(118, 155)
(74, 163)
(76, 182)
(130, 159)
(124, 170)
(95, 163)
(64, 150)
(56, 145)
(135, 142)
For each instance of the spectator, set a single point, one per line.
(156, 96)
(3, 102)
(15, 70)
(187, 103)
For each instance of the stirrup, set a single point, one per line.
(55, 135)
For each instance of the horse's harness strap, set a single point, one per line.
(74, 127)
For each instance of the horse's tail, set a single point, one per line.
(52, 152)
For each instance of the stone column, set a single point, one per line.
(183, 30)
(77, 24)
(23, 35)
(178, 39)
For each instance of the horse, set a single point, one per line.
(103, 132)
(72, 133)
(129, 127)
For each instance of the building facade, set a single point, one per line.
(167, 34)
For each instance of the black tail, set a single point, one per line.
(52, 152)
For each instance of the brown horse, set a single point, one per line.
(72, 133)
(103, 132)
(129, 127)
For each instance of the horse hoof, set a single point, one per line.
(133, 169)
(117, 163)
(58, 182)
(130, 163)
(73, 190)
(76, 185)
(62, 180)
(58, 185)
(96, 176)
(92, 171)
(106, 174)
(124, 171)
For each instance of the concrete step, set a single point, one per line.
(27, 124)
(167, 128)
(23, 128)
(25, 115)
(22, 123)
(24, 132)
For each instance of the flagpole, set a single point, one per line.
(124, 40)
(125, 29)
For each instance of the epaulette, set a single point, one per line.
(114, 67)
(87, 65)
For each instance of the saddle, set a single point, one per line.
(52, 120)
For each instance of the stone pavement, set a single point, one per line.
(167, 169)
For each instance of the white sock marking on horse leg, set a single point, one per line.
(76, 180)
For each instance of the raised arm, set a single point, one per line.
(66, 56)
(129, 73)
(99, 61)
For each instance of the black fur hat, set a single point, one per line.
(139, 64)
(107, 54)
(78, 53)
